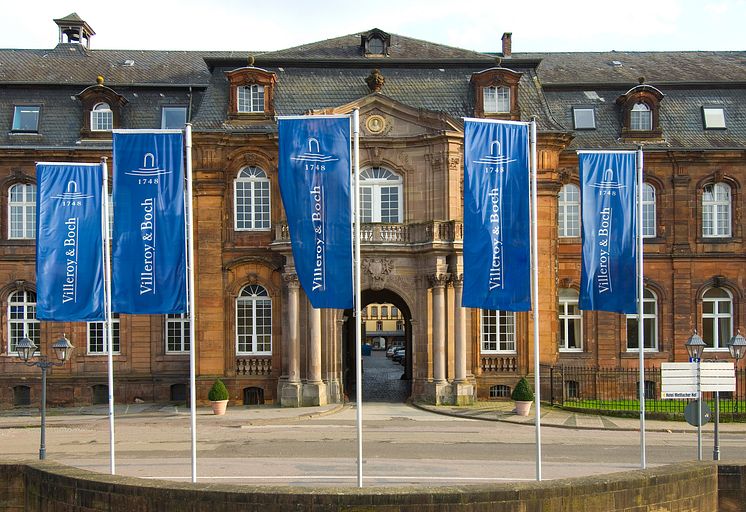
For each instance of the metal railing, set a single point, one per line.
(615, 389)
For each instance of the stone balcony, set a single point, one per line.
(419, 233)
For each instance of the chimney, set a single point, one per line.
(507, 44)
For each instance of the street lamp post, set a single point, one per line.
(26, 350)
(695, 345)
(737, 348)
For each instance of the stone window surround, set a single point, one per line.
(251, 76)
(496, 77)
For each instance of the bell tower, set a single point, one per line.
(75, 30)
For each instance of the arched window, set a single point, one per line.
(496, 99)
(648, 210)
(380, 195)
(251, 98)
(717, 318)
(22, 319)
(641, 118)
(649, 323)
(253, 321)
(96, 343)
(716, 210)
(251, 199)
(22, 211)
(102, 118)
(569, 211)
(498, 331)
(571, 320)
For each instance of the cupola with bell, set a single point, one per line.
(73, 29)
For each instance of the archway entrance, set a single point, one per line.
(387, 324)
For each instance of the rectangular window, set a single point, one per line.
(584, 118)
(251, 98)
(96, 336)
(498, 331)
(390, 204)
(366, 204)
(496, 100)
(713, 117)
(102, 120)
(173, 118)
(26, 118)
(177, 333)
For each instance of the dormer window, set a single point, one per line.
(251, 98)
(496, 93)
(252, 93)
(26, 118)
(714, 118)
(641, 112)
(496, 99)
(102, 118)
(641, 118)
(375, 46)
(375, 43)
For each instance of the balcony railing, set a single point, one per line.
(378, 233)
(261, 366)
(499, 364)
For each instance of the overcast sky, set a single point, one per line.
(250, 25)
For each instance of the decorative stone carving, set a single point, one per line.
(439, 280)
(375, 80)
(291, 280)
(378, 269)
(376, 124)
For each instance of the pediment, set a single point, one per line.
(381, 116)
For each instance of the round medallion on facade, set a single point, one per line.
(375, 124)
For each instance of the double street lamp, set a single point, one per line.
(695, 345)
(27, 349)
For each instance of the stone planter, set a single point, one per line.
(219, 406)
(522, 408)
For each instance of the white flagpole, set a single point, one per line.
(358, 308)
(190, 280)
(108, 327)
(535, 285)
(640, 294)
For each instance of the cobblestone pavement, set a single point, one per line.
(382, 380)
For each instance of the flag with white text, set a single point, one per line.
(149, 253)
(314, 175)
(69, 264)
(609, 220)
(497, 250)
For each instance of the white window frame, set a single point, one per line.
(253, 298)
(101, 326)
(496, 99)
(566, 206)
(102, 118)
(250, 98)
(719, 342)
(649, 297)
(578, 110)
(22, 319)
(716, 210)
(569, 297)
(641, 118)
(255, 191)
(22, 211)
(19, 112)
(177, 333)
(375, 184)
(503, 334)
(169, 108)
(649, 220)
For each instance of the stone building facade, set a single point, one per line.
(255, 327)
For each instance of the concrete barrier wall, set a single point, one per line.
(691, 487)
(732, 487)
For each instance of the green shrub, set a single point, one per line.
(218, 391)
(522, 391)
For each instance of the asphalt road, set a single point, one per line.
(402, 446)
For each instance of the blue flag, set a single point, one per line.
(69, 264)
(609, 260)
(497, 250)
(315, 186)
(149, 254)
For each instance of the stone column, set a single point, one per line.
(314, 390)
(290, 390)
(463, 391)
(438, 283)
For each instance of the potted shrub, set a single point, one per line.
(523, 397)
(218, 397)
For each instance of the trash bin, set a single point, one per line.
(366, 349)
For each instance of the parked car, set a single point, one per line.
(392, 349)
(399, 354)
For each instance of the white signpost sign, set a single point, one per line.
(679, 380)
